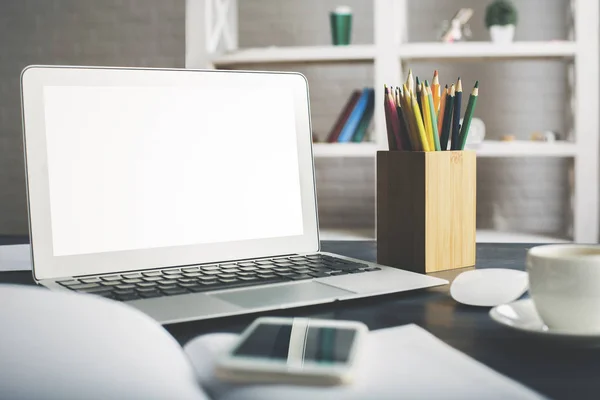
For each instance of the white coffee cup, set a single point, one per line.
(564, 283)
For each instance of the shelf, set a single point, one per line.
(408, 51)
(486, 50)
(344, 149)
(525, 148)
(486, 149)
(482, 236)
(491, 236)
(296, 54)
(347, 234)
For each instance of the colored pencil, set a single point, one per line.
(456, 116)
(407, 112)
(404, 130)
(408, 139)
(447, 118)
(420, 116)
(395, 123)
(410, 81)
(419, 122)
(427, 115)
(435, 91)
(414, 131)
(417, 92)
(433, 118)
(402, 118)
(401, 134)
(464, 131)
(388, 120)
(440, 114)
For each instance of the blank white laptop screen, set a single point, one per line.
(149, 167)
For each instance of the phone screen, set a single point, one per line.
(298, 343)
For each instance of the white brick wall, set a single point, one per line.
(529, 195)
(81, 32)
(515, 98)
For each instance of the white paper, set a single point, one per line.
(15, 257)
(398, 363)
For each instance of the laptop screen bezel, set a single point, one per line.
(48, 266)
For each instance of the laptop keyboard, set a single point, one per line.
(209, 277)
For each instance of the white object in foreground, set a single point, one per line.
(565, 285)
(489, 287)
(521, 315)
(72, 345)
(64, 345)
(405, 362)
(305, 356)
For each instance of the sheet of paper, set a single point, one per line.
(15, 257)
(398, 363)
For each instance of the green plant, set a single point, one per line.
(500, 12)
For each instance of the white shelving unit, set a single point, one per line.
(483, 236)
(211, 42)
(408, 51)
(318, 54)
(486, 149)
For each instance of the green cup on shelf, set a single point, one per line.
(341, 25)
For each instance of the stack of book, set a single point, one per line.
(354, 120)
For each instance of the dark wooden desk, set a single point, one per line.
(558, 372)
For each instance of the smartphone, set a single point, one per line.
(294, 350)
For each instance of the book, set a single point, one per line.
(339, 123)
(355, 116)
(365, 121)
(404, 362)
(113, 351)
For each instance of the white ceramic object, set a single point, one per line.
(476, 133)
(565, 286)
(488, 287)
(65, 345)
(521, 315)
(502, 33)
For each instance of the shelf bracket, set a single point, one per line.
(220, 21)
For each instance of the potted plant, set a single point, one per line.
(500, 19)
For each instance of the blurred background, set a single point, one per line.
(537, 176)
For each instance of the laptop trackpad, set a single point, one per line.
(285, 295)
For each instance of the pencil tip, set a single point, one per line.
(459, 86)
(476, 84)
(417, 80)
(435, 73)
(446, 87)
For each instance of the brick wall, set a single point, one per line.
(85, 32)
(515, 98)
(519, 194)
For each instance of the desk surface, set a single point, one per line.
(557, 372)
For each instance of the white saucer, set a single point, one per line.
(521, 315)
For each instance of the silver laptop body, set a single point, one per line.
(188, 194)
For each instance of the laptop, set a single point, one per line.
(187, 194)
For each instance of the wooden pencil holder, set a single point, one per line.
(426, 210)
